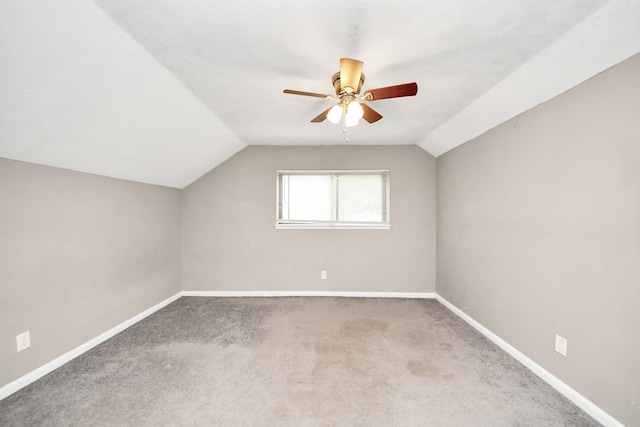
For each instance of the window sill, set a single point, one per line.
(332, 226)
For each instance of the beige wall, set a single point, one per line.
(539, 234)
(230, 243)
(79, 254)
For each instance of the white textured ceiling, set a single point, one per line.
(162, 91)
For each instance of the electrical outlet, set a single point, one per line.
(323, 274)
(23, 341)
(561, 345)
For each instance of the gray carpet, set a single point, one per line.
(294, 362)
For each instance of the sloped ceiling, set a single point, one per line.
(162, 91)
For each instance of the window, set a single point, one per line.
(333, 199)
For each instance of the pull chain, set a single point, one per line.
(345, 129)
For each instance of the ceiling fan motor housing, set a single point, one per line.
(338, 87)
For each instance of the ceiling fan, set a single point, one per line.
(348, 83)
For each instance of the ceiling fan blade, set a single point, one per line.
(397, 91)
(369, 114)
(322, 116)
(297, 92)
(350, 71)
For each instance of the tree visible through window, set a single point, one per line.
(310, 199)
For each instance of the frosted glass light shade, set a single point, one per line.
(354, 113)
(350, 121)
(335, 114)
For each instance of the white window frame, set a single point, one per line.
(286, 224)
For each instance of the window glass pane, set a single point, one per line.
(307, 197)
(333, 198)
(360, 198)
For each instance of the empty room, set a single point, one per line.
(320, 213)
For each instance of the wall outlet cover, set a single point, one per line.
(23, 341)
(561, 345)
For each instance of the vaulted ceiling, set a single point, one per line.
(162, 91)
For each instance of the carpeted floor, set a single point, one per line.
(294, 362)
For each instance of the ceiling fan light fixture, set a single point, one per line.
(354, 114)
(350, 122)
(354, 111)
(335, 114)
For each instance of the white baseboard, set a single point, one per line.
(580, 401)
(40, 372)
(308, 294)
